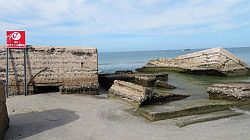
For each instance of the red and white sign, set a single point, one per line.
(16, 39)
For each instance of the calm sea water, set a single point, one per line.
(194, 85)
(113, 61)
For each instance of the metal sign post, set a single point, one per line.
(25, 76)
(15, 40)
(7, 73)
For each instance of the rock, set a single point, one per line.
(4, 119)
(230, 91)
(215, 61)
(145, 80)
(130, 92)
(163, 84)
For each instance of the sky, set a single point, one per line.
(129, 25)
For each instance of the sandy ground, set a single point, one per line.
(52, 116)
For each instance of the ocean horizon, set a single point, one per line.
(110, 62)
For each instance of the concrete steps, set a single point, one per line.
(193, 119)
(184, 108)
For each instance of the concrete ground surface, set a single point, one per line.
(52, 116)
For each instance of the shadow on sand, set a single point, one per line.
(27, 124)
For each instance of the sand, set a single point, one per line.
(53, 116)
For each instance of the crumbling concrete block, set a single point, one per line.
(107, 80)
(147, 80)
(153, 80)
(150, 79)
(130, 92)
(230, 91)
(215, 61)
(138, 95)
(4, 119)
(163, 84)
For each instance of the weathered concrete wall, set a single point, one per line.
(4, 120)
(74, 69)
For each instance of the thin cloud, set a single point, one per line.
(155, 17)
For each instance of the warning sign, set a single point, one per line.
(16, 39)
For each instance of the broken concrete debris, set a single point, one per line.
(138, 95)
(230, 91)
(215, 61)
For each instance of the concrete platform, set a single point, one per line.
(64, 117)
(183, 108)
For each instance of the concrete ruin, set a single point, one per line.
(134, 94)
(4, 119)
(138, 95)
(107, 80)
(145, 80)
(148, 80)
(163, 84)
(74, 70)
(215, 61)
(230, 91)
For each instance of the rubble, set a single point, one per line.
(230, 91)
(215, 61)
(138, 95)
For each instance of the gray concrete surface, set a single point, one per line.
(53, 116)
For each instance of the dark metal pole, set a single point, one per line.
(7, 73)
(25, 76)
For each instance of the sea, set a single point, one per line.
(194, 85)
(112, 61)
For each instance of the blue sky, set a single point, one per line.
(127, 25)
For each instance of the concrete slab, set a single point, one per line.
(189, 120)
(214, 61)
(183, 108)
